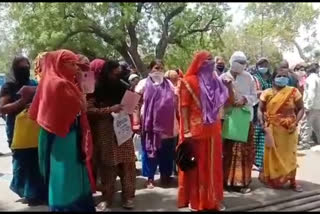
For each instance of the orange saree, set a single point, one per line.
(201, 187)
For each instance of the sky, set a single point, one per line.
(237, 10)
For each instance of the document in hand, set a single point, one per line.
(129, 101)
(122, 127)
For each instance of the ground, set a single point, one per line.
(161, 199)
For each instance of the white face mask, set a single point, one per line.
(237, 67)
(157, 77)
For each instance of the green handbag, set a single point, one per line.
(236, 124)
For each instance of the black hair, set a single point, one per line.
(279, 68)
(155, 62)
(313, 68)
(107, 90)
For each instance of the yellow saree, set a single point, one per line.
(280, 161)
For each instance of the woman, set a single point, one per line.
(63, 136)
(159, 124)
(238, 157)
(111, 160)
(281, 109)
(202, 94)
(96, 66)
(26, 181)
(262, 75)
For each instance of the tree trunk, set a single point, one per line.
(161, 48)
(138, 63)
(132, 57)
(300, 51)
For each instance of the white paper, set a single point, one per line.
(129, 101)
(122, 127)
(87, 82)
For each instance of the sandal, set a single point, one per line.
(222, 207)
(149, 184)
(103, 207)
(128, 204)
(245, 190)
(297, 188)
(192, 210)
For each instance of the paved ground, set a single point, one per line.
(160, 199)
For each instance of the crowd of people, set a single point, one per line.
(228, 119)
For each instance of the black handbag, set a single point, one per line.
(185, 157)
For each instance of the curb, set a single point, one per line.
(273, 202)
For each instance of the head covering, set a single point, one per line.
(96, 66)
(238, 56)
(262, 60)
(58, 102)
(14, 74)
(213, 93)
(37, 65)
(132, 77)
(158, 117)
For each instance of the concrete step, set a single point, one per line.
(292, 205)
(303, 207)
(279, 202)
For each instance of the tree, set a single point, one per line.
(242, 39)
(133, 31)
(282, 22)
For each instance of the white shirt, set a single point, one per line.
(140, 88)
(311, 94)
(244, 86)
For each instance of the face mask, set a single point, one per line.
(220, 68)
(237, 67)
(263, 70)
(281, 81)
(22, 75)
(208, 66)
(157, 77)
(301, 73)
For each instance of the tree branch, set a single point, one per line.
(164, 40)
(71, 34)
(131, 27)
(204, 29)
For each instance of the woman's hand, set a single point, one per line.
(241, 102)
(116, 108)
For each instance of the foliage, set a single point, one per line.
(282, 22)
(133, 31)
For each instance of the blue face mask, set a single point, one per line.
(263, 70)
(281, 81)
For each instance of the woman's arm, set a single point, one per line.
(92, 110)
(300, 109)
(261, 111)
(186, 128)
(9, 108)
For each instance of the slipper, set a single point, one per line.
(297, 188)
(245, 190)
